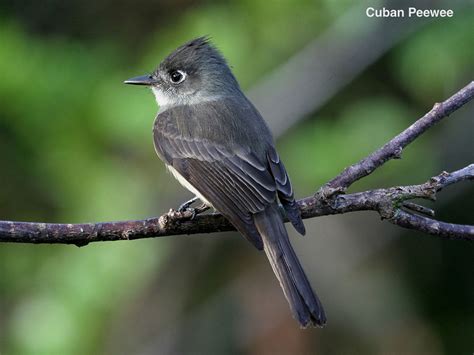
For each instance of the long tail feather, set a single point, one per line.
(304, 303)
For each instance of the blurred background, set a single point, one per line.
(76, 146)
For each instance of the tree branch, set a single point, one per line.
(390, 203)
(394, 148)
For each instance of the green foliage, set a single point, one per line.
(359, 128)
(433, 62)
(64, 103)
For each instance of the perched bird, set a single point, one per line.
(217, 145)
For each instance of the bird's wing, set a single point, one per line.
(285, 190)
(233, 180)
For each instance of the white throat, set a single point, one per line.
(163, 100)
(166, 101)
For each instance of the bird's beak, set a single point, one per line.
(141, 80)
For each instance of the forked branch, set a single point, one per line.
(393, 204)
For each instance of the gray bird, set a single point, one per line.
(217, 145)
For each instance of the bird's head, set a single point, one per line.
(193, 73)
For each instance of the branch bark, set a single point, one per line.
(390, 203)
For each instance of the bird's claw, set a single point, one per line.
(195, 211)
(185, 206)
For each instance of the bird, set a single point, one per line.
(217, 145)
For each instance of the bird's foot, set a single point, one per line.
(198, 210)
(186, 207)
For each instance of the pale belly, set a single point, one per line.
(187, 185)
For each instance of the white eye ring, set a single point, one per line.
(177, 76)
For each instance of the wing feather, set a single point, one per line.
(230, 176)
(285, 190)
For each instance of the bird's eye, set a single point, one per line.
(177, 76)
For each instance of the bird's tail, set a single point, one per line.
(304, 303)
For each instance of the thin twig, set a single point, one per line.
(418, 208)
(393, 149)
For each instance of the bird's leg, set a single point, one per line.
(184, 206)
(198, 210)
(195, 211)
